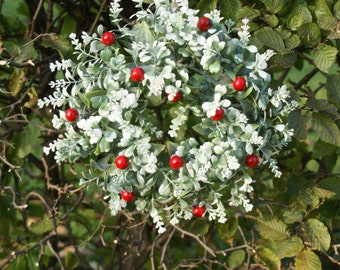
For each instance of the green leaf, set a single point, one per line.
(300, 15)
(336, 10)
(289, 248)
(18, 263)
(326, 129)
(307, 260)
(11, 48)
(62, 45)
(268, 257)
(323, 106)
(274, 6)
(272, 228)
(143, 33)
(333, 87)
(41, 227)
(247, 12)
(205, 6)
(229, 8)
(325, 57)
(318, 234)
(16, 81)
(308, 197)
(270, 38)
(236, 258)
(309, 34)
(324, 193)
(71, 260)
(291, 216)
(228, 229)
(199, 227)
(297, 122)
(327, 22)
(322, 149)
(331, 184)
(321, 9)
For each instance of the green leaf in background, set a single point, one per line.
(322, 149)
(318, 234)
(199, 227)
(17, 80)
(326, 129)
(309, 34)
(274, 6)
(307, 260)
(42, 226)
(270, 38)
(331, 184)
(323, 106)
(289, 247)
(205, 6)
(11, 48)
(333, 87)
(298, 122)
(236, 258)
(228, 229)
(18, 263)
(300, 15)
(327, 23)
(71, 260)
(324, 193)
(268, 257)
(336, 10)
(272, 228)
(325, 57)
(308, 197)
(62, 45)
(247, 12)
(229, 8)
(322, 9)
(291, 216)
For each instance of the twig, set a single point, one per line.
(208, 249)
(98, 16)
(56, 255)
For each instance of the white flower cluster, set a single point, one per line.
(186, 75)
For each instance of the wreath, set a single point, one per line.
(173, 112)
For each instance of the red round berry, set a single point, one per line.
(71, 114)
(252, 161)
(108, 38)
(122, 162)
(239, 83)
(176, 162)
(178, 96)
(204, 24)
(137, 74)
(198, 211)
(127, 196)
(219, 114)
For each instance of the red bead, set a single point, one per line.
(178, 96)
(219, 114)
(176, 162)
(252, 161)
(204, 24)
(127, 196)
(137, 74)
(108, 38)
(71, 114)
(122, 162)
(239, 83)
(198, 211)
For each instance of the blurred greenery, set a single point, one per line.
(49, 222)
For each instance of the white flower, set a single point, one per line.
(210, 107)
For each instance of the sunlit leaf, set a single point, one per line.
(268, 257)
(289, 247)
(291, 216)
(326, 129)
(307, 260)
(318, 234)
(325, 57)
(331, 184)
(272, 228)
(236, 258)
(229, 8)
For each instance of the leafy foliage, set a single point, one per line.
(47, 220)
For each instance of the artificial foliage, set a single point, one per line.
(173, 110)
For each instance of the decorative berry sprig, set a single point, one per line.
(173, 111)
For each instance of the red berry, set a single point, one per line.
(71, 114)
(176, 162)
(198, 211)
(204, 24)
(252, 161)
(178, 96)
(219, 114)
(137, 74)
(127, 196)
(108, 38)
(122, 162)
(239, 83)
